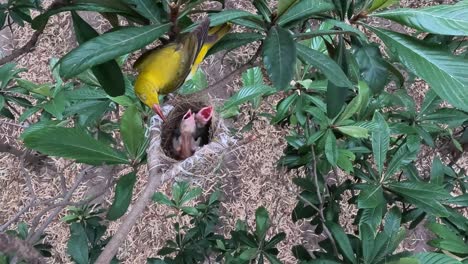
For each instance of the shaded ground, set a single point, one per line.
(249, 181)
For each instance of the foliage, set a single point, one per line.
(200, 240)
(331, 83)
(22, 232)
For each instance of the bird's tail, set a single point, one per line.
(217, 33)
(201, 32)
(214, 35)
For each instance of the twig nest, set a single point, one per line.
(161, 156)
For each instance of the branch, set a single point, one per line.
(28, 157)
(154, 182)
(25, 49)
(14, 246)
(230, 76)
(36, 234)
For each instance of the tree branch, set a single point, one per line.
(25, 49)
(13, 246)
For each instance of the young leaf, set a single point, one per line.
(123, 196)
(77, 246)
(380, 141)
(325, 64)
(357, 104)
(445, 73)
(279, 56)
(449, 20)
(73, 143)
(354, 131)
(194, 85)
(225, 16)
(262, 221)
(108, 74)
(108, 47)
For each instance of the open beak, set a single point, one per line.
(188, 114)
(158, 111)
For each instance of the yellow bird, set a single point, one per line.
(164, 69)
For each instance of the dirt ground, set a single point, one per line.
(250, 180)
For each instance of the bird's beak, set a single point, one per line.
(206, 113)
(188, 114)
(158, 111)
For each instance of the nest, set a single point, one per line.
(161, 156)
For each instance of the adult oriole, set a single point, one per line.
(164, 69)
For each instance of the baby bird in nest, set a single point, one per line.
(193, 132)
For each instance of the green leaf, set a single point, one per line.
(325, 64)
(437, 171)
(132, 131)
(159, 197)
(367, 238)
(402, 157)
(56, 106)
(225, 16)
(262, 221)
(444, 72)
(452, 117)
(392, 221)
(284, 5)
(105, 6)
(354, 131)
(196, 84)
(426, 196)
(275, 240)
(123, 196)
(305, 9)
(372, 216)
(73, 143)
(336, 95)
(371, 196)
(2, 101)
(7, 73)
(435, 258)
(246, 94)
(372, 66)
(108, 47)
(342, 241)
(234, 40)
(85, 93)
(381, 4)
(331, 150)
(149, 9)
(357, 104)
(380, 141)
(77, 246)
(190, 195)
(279, 56)
(449, 20)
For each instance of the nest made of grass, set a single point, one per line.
(181, 106)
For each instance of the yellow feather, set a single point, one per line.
(164, 69)
(214, 35)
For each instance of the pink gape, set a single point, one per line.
(204, 116)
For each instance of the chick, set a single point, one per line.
(183, 142)
(203, 122)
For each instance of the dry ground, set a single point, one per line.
(249, 181)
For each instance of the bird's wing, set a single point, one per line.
(214, 35)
